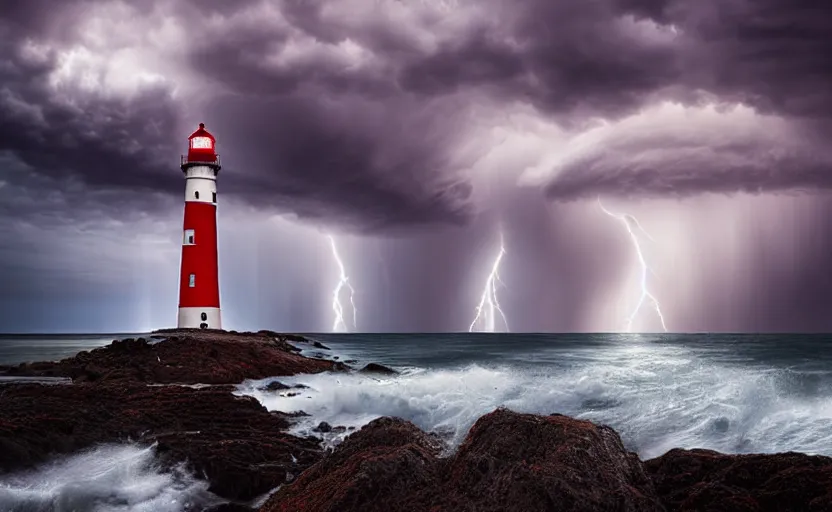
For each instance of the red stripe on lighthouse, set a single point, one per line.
(200, 259)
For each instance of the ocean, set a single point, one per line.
(735, 393)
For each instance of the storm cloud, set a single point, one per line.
(670, 151)
(355, 110)
(422, 128)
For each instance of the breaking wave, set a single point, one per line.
(111, 478)
(656, 396)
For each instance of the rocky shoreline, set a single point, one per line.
(176, 391)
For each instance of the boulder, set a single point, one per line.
(693, 480)
(508, 462)
(379, 468)
(377, 369)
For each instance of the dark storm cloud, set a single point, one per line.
(295, 146)
(607, 58)
(323, 161)
(327, 139)
(100, 140)
(570, 58)
(359, 114)
(296, 136)
(326, 166)
(690, 174)
(768, 53)
(679, 152)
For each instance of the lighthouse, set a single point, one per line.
(199, 287)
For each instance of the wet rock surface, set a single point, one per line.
(522, 462)
(377, 369)
(279, 386)
(185, 357)
(694, 480)
(508, 462)
(234, 441)
(173, 393)
(382, 467)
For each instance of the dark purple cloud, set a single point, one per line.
(334, 110)
(376, 118)
(675, 152)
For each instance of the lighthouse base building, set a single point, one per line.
(199, 290)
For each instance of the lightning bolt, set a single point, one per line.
(343, 281)
(489, 306)
(629, 223)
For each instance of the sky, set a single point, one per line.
(418, 134)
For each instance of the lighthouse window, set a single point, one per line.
(192, 280)
(201, 143)
(196, 194)
(204, 316)
(189, 237)
(213, 197)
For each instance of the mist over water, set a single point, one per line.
(735, 394)
(109, 478)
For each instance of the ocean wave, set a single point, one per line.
(111, 478)
(656, 397)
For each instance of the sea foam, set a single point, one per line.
(656, 397)
(112, 478)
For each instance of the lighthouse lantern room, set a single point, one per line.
(199, 290)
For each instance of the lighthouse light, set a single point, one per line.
(201, 143)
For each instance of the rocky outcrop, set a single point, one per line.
(136, 390)
(694, 480)
(520, 462)
(386, 466)
(509, 462)
(233, 441)
(185, 357)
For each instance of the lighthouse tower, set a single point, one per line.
(199, 287)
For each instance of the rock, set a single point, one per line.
(234, 441)
(318, 344)
(351, 361)
(229, 507)
(206, 357)
(275, 386)
(518, 462)
(508, 462)
(383, 463)
(323, 427)
(291, 415)
(693, 480)
(129, 392)
(378, 369)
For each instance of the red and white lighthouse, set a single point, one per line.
(199, 287)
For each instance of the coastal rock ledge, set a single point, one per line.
(509, 462)
(175, 393)
(512, 462)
